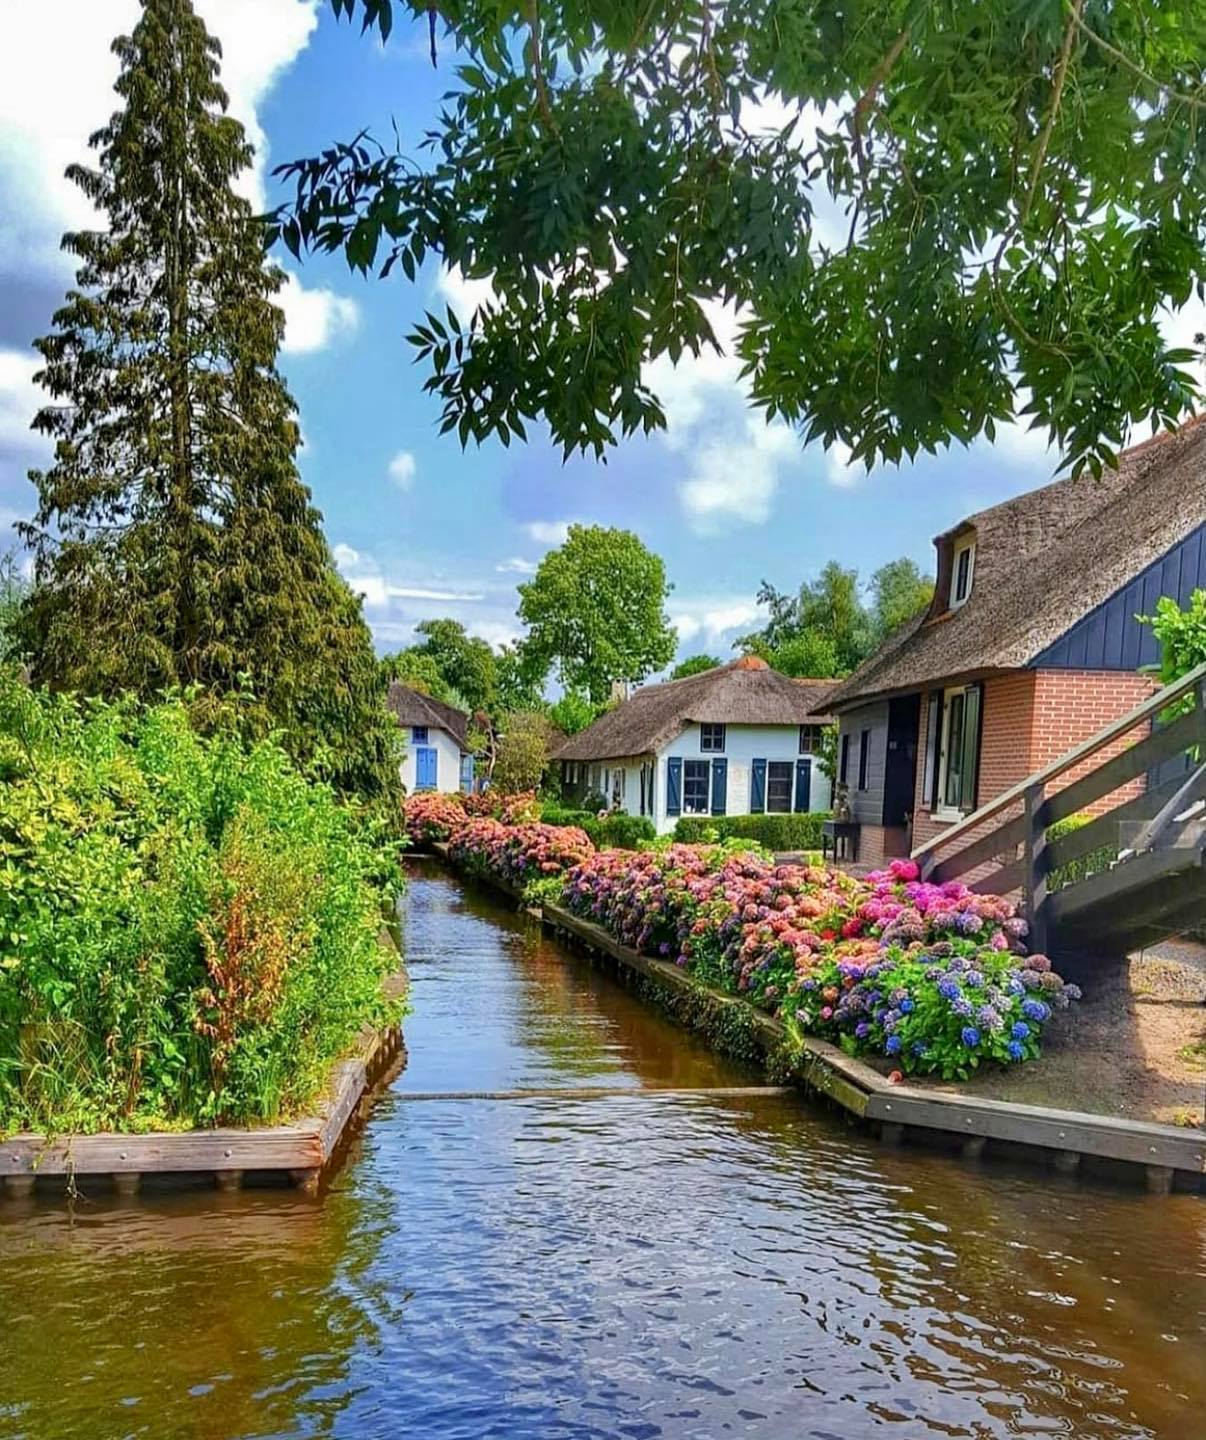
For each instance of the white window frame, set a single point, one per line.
(711, 749)
(943, 811)
(815, 739)
(707, 808)
(968, 548)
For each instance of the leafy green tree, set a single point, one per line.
(596, 610)
(174, 542)
(467, 663)
(13, 589)
(1181, 633)
(933, 216)
(574, 712)
(418, 671)
(520, 679)
(694, 665)
(522, 751)
(898, 592)
(822, 630)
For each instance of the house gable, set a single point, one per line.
(1110, 637)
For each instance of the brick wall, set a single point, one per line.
(1071, 706)
(1031, 718)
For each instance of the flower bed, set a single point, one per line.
(431, 817)
(934, 977)
(519, 854)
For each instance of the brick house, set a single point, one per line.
(1030, 646)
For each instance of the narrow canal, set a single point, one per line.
(622, 1265)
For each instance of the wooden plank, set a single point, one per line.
(1103, 831)
(1133, 1140)
(1007, 837)
(1132, 763)
(1129, 876)
(1147, 711)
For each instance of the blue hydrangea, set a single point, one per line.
(1036, 1010)
(1020, 1030)
(974, 979)
(919, 1047)
(893, 1044)
(949, 989)
(970, 1036)
(906, 1006)
(1016, 1050)
(862, 1030)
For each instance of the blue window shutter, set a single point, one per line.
(674, 787)
(803, 784)
(757, 787)
(720, 780)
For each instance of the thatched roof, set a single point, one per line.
(1043, 561)
(412, 707)
(744, 692)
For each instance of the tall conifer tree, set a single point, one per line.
(174, 542)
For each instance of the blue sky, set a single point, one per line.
(420, 527)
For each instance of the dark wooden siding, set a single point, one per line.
(1110, 638)
(867, 806)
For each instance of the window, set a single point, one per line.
(418, 733)
(958, 757)
(811, 739)
(844, 763)
(864, 756)
(963, 567)
(695, 787)
(711, 739)
(779, 774)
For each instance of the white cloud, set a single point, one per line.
(402, 469)
(56, 87)
(463, 294)
(549, 532)
(20, 400)
(314, 318)
(735, 472)
(712, 620)
(517, 566)
(346, 559)
(840, 469)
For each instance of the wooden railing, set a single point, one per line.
(1019, 847)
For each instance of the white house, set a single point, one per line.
(437, 755)
(737, 740)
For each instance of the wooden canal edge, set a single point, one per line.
(1164, 1157)
(301, 1151)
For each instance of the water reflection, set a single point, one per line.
(643, 1266)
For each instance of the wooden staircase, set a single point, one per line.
(1134, 874)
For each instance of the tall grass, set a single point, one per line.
(188, 926)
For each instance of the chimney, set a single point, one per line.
(619, 691)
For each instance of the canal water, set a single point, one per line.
(632, 1264)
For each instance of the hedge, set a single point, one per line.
(776, 832)
(1076, 870)
(613, 832)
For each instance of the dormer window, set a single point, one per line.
(963, 567)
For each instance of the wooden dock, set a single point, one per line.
(301, 1151)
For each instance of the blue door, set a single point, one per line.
(467, 774)
(425, 767)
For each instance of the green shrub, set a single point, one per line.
(188, 926)
(776, 832)
(1076, 870)
(613, 832)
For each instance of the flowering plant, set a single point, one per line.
(430, 816)
(930, 975)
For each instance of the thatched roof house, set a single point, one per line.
(733, 740)
(437, 752)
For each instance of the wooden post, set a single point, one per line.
(1159, 1179)
(1066, 1162)
(126, 1183)
(306, 1180)
(228, 1180)
(891, 1133)
(973, 1147)
(1034, 867)
(19, 1187)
